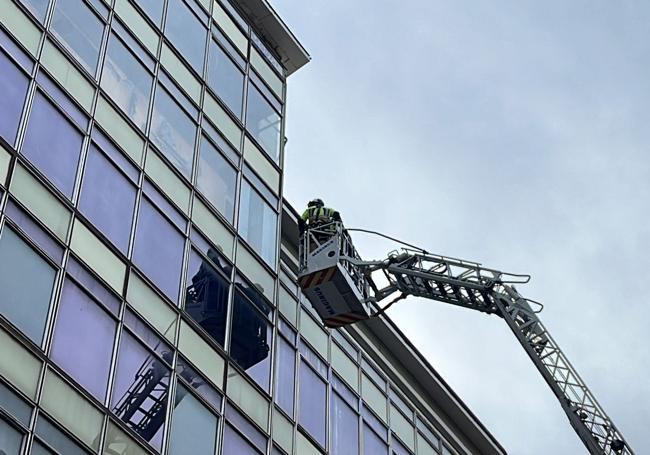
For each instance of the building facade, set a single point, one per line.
(148, 298)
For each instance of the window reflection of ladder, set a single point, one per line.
(143, 406)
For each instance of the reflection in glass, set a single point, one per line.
(127, 81)
(258, 223)
(207, 295)
(53, 144)
(217, 179)
(172, 131)
(187, 33)
(250, 342)
(141, 389)
(26, 283)
(83, 340)
(193, 426)
(225, 78)
(108, 198)
(263, 122)
(81, 31)
(13, 86)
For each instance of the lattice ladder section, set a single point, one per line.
(587, 417)
(472, 286)
(146, 396)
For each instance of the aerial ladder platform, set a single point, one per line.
(343, 290)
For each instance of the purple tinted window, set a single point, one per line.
(217, 179)
(53, 249)
(83, 340)
(53, 144)
(205, 247)
(37, 7)
(234, 443)
(26, 283)
(108, 199)
(374, 422)
(225, 78)
(159, 250)
(251, 339)
(313, 400)
(187, 33)
(207, 296)
(140, 390)
(284, 376)
(13, 86)
(344, 424)
(373, 445)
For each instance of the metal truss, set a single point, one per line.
(470, 285)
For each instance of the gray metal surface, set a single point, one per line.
(470, 285)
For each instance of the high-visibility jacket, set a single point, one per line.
(320, 215)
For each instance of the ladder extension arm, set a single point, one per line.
(470, 285)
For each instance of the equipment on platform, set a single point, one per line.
(341, 287)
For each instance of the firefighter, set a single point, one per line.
(317, 214)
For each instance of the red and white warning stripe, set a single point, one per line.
(316, 278)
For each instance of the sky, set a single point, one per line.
(510, 132)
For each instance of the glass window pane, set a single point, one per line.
(108, 198)
(56, 438)
(53, 144)
(344, 424)
(83, 340)
(207, 296)
(373, 444)
(153, 9)
(140, 390)
(312, 403)
(37, 7)
(284, 376)
(225, 78)
(13, 86)
(10, 439)
(173, 132)
(254, 435)
(263, 122)
(251, 339)
(187, 33)
(198, 382)
(217, 179)
(234, 443)
(14, 405)
(258, 223)
(158, 250)
(192, 426)
(80, 29)
(26, 283)
(127, 81)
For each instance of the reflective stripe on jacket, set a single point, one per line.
(318, 214)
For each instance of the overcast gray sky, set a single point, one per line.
(514, 133)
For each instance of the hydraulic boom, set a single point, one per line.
(342, 288)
